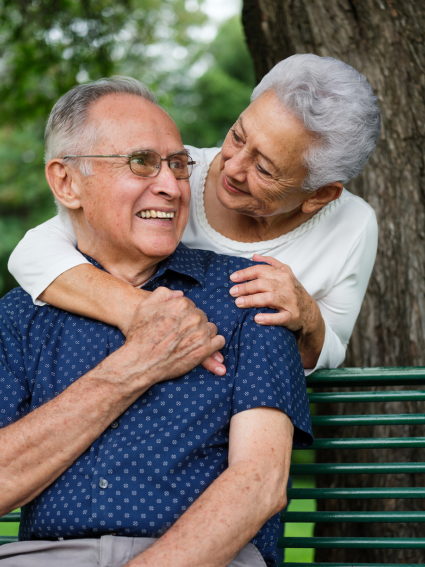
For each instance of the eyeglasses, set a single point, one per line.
(147, 163)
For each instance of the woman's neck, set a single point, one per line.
(240, 227)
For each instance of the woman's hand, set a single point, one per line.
(276, 287)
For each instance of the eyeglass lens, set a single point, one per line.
(148, 164)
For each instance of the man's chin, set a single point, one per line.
(159, 250)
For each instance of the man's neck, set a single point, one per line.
(135, 271)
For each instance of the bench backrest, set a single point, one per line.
(380, 379)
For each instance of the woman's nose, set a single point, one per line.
(236, 165)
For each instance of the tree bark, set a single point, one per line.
(384, 40)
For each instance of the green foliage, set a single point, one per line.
(47, 46)
(206, 111)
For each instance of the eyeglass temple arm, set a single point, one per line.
(109, 155)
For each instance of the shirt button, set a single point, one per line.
(103, 483)
(114, 424)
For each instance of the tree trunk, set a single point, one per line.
(384, 40)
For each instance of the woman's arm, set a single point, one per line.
(90, 292)
(48, 266)
(323, 327)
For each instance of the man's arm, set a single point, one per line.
(236, 505)
(168, 337)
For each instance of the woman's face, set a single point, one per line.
(261, 169)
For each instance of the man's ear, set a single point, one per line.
(63, 182)
(322, 197)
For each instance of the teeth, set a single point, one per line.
(151, 213)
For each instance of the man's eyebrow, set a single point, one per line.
(181, 151)
(258, 151)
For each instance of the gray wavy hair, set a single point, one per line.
(68, 130)
(337, 105)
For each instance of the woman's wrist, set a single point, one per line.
(311, 336)
(85, 290)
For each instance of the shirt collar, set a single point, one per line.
(182, 261)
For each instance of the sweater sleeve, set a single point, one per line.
(44, 253)
(341, 306)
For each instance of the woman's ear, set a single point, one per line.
(322, 197)
(62, 180)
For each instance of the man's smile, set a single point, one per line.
(155, 214)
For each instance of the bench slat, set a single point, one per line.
(352, 542)
(382, 419)
(359, 468)
(390, 396)
(360, 517)
(289, 564)
(368, 377)
(351, 493)
(12, 517)
(367, 443)
(7, 539)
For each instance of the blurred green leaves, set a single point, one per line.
(48, 46)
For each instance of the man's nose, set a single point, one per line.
(166, 183)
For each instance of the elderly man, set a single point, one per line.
(112, 462)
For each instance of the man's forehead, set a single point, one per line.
(136, 120)
(115, 107)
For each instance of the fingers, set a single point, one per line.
(213, 363)
(268, 260)
(283, 319)
(261, 271)
(162, 295)
(267, 299)
(249, 288)
(214, 366)
(217, 343)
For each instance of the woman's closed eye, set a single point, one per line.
(235, 136)
(263, 171)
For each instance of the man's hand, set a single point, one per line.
(169, 336)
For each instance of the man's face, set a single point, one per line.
(113, 197)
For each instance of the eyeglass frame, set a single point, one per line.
(191, 162)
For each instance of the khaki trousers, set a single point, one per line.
(106, 551)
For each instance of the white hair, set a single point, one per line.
(337, 105)
(68, 130)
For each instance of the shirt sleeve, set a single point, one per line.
(340, 308)
(45, 253)
(15, 394)
(269, 373)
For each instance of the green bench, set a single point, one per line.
(381, 379)
(346, 378)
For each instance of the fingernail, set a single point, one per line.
(234, 277)
(220, 370)
(240, 301)
(259, 318)
(218, 357)
(234, 290)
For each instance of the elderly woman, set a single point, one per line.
(273, 192)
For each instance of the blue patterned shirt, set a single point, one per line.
(147, 468)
